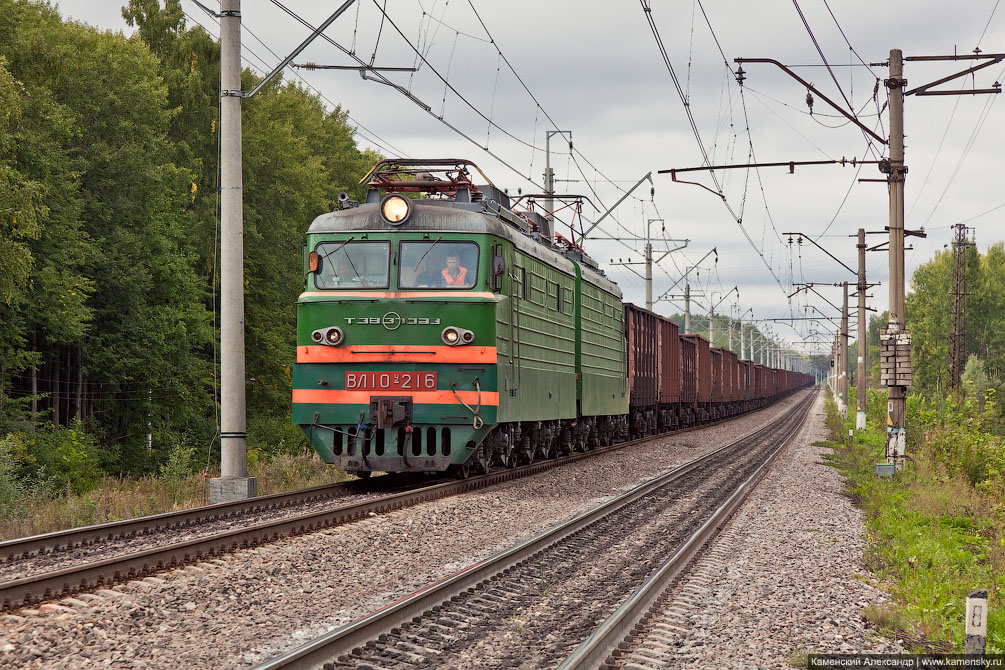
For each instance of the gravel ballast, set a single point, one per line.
(783, 579)
(246, 607)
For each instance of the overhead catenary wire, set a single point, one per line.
(823, 58)
(377, 76)
(367, 134)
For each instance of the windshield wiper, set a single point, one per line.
(421, 258)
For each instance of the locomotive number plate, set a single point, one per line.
(390, 381)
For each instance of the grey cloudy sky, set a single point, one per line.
(594, 68)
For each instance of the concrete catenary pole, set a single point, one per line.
(234, 483)
(896, 437)
(862, 376)
(649, 266)
(843, 379)
(687, 307)
(549, 185)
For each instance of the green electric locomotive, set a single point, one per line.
(450, 332)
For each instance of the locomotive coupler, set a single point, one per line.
(388, 412)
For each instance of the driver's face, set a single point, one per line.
(451, 263)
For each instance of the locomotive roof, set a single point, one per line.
(475, 218)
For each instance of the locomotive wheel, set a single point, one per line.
(365, 474)
(482, 460)
(507, 457)
(462, 471)
(547, 450)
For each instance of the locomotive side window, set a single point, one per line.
(438, 264)
(352, 265)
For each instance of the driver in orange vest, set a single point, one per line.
(454, 274)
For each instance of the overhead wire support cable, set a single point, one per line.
(375, 139)
(384, 80)
(851, 117)
(540, 109)
(445, 81)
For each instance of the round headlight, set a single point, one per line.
(318, 336)
(333, 336)
(394, 209)
(450, 335)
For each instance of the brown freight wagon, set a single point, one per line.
(642, 333)
(719, 386)
(704, 373)
(732, 368)
(688, 380)
(760, 384)
(670, 376)
(746, 383)
(654, 371)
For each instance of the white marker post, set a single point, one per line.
(977, 623)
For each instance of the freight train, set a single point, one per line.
(441, 329)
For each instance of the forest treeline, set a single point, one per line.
(108, 239)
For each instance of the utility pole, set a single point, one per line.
(648, 261)
(687, 307)
(836, 358)
(896, 419)
(233, 483)
(896, 341)
(748, 310)
(862, 379)
(649, 268)
(843, 379)
(549, 179)
(711, 314)
(957, 343)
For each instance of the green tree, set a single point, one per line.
(928, 310)
(975, 380)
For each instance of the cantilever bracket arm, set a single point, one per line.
(648, 175)
(923, 90)
(810, 239)
(850, 117)
(303, 45)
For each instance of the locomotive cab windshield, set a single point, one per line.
(438, 264)
(348, 265)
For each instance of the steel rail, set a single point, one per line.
(33, 545)
(322, 650)
(61, 540)
(595, 651)
(33, 589)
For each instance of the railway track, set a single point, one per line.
(558, 599)
(242, 531)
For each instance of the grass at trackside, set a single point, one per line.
(933, 536)
(114, 499)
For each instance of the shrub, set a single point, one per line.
(67, 458)
(181, 460)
